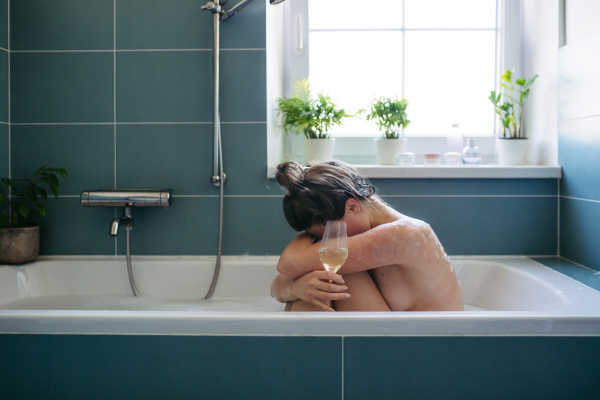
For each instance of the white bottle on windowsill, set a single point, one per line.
(471, 153)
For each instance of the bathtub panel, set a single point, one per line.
(471, 367)
(170, 367)
(580, 231)
(487, 225)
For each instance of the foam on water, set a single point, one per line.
(141, 304)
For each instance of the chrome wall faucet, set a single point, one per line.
(127, 198)
(126, 220)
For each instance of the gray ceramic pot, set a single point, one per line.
(19, 245)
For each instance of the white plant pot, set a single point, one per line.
(318, 149)
(512, 151)
(388, 149)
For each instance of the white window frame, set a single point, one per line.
(360, 150)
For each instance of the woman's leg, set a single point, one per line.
(365, 295)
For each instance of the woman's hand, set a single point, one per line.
(314, 288)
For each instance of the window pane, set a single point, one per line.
(354, 67)
(449, 76)
(356, 14)
(450, 14)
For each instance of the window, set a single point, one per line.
(442, 55)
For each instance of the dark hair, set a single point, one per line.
(318, 191)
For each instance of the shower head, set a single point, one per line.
(226, 14)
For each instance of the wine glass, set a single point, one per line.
(334, 247)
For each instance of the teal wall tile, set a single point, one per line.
(471, 368)
(188, 227)
(71, 229)
(62, 87)
(247, 29)
(579, 144)
(580, 231)
(182, 24)
(4, 24)
(4, 156)
(245, 160)
(584, 275)
(251, 226)
(85, 151)
(244, 85)
(170, 367)
(487, 225)
(158, 24)
(173, 156)
(255, 226)
(164, 86)
(62, 25)
(3, 86)
(578, 147)
(388, 187)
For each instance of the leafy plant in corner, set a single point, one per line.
(390, 116)
(314, 117)
(506, 109)
(23, 202)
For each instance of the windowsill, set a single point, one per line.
(484, 171)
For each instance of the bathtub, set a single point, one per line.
(91, 295)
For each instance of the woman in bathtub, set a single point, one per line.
(395, 263)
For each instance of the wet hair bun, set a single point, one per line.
(290, 175)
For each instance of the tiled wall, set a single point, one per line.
(4, 126)
(120, 94)
(579, 150)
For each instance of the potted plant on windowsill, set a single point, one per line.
(511, 147)
(313, 117)
(390, 116)
(19, 235)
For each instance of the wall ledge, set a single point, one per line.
(485, 171)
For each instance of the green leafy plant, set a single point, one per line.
(23, 202)
(314, 117)
(506, 109)
(390, 116)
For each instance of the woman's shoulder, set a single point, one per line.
(405, 225)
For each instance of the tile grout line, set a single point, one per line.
(579, 198)
(9, 130)
(135, 123)
(576, 263)
(128, 50)
(342, 368)
(115, 102)
(558, 219)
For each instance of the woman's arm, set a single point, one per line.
(382, 245)
(313, 288)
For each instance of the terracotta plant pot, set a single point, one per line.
(388, 149)
(512, 151)
(318, 149)
(19, 245)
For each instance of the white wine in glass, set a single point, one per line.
(334, 246)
